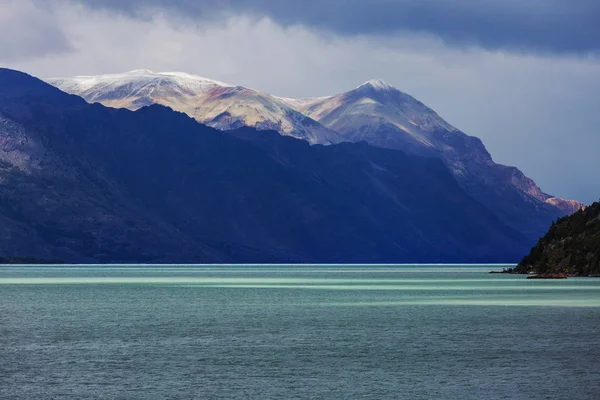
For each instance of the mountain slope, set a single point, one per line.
(217, 104)
(375, 112)
(83, 182)
(383, 116)
(571, 246)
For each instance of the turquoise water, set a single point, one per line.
(414, 332)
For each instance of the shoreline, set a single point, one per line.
(549, 275)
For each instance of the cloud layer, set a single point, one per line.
(562, 26)
(537, 111)
(28, 30)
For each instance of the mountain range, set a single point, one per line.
(375, 112)
(87, 183)
(371, 175)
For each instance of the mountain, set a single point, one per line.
(83, 182)
(571, 246)
(375, 112)
(383, 116)
(217, 104)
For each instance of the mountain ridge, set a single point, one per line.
(153, 185)
(383, 116)
(213, 103)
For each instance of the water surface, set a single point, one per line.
(345, 331)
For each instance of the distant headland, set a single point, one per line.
(28, 260)
(570, 248)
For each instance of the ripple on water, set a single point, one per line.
(415, 332)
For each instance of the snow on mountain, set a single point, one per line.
(135, 85)
(378, 84)
(302, 103)
(374, 112)
(383, 116)
(217, 104)
(379, 114)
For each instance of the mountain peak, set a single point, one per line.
(140, 71)
(377, 84)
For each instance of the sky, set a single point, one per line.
(524, 76)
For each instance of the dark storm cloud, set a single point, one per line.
(558, 26)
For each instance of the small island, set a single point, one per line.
(570, 248)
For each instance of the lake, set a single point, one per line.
(272, 332)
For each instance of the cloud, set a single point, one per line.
(536, 111)
(27, 31)
(558, 26)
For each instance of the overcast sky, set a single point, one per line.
(524, 76)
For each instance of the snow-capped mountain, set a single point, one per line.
(374, 112)
(379, 114)
(217, 104)
(383, 116)
(83, 183)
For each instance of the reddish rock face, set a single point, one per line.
(567, 206)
